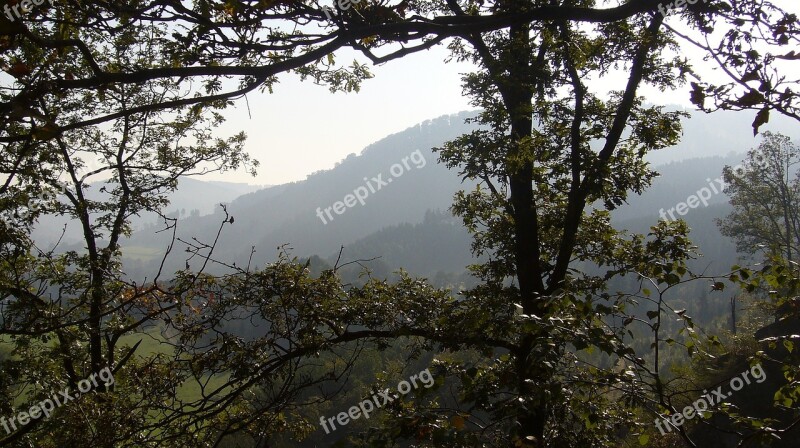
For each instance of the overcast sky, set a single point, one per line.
(302, 128)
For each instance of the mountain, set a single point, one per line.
(203, 196)
(440, 245)
(676, 182)
(192, 198)
(437, 246)
(374, 202)
(718, 134)
(397, 179)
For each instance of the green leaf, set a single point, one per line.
(762, 118)
(672, 279)
(779, 397)
(643, 439)
(46, 132)
(698, 96)
(751, 76)
(750, 99)
(789, 56)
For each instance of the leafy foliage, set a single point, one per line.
(539, 354)
(765, 194)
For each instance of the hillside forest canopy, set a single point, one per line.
(568, 330)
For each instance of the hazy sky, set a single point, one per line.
(302, 127)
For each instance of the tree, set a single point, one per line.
(764, 191)
(535, 311)
(529, 216)
(532, 315)
(765, 194)
(70, 314)
(196, 359)
(204, 43)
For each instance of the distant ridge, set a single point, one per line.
(271, 217)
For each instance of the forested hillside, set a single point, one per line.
(288, 214)
(595, 244)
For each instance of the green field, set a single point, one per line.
(153, 342)
(141, 253)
